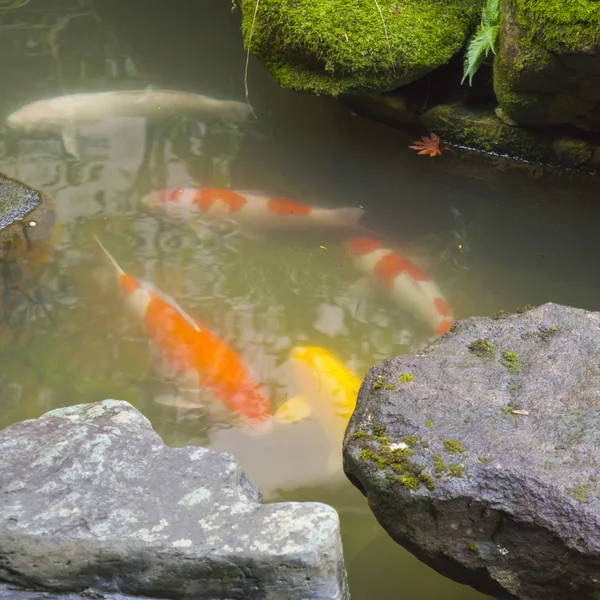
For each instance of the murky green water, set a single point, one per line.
(491, 238)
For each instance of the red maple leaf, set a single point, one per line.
(430, 145)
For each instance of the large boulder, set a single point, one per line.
(547, 69)
(91, 497)
(355, 45)
(481, 453)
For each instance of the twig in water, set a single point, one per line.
(387, 39)
(248, 57)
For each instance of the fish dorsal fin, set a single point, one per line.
(110, 257)
(171, 302)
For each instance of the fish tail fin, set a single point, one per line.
(110, 257)
(348, 216)
(258, 427)
(294, 410)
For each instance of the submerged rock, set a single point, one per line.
(547, 68)
(482, 457)
(347, 47)
(92, 498)
(26, 217)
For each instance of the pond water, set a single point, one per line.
(491, 237)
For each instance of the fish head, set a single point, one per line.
(37, 116)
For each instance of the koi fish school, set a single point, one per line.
(253, 210)
(403, 282)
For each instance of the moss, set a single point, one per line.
(456, 470)
(410, 440)
(511, 361)
(514, 387)
(484, 459)
(428, 424)
(360, 435)
(424, 444)
(499, 315)
(546, 333)
(439, 466)
(581, 492)
(523, 309)
(378, 382)
(560, 26)
(452, 446)
(593, 479)
(389, 386)
(379, 430)
(481, 347)
(342, 47)
(467, 419)
(405, 377)
(473, 547)
(548, 466)
(427, 480)
(409, 481)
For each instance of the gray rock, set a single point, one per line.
(92, 498)
(8, 592)
(508, 503)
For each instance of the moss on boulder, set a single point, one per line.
(343, 47)
(547, 69)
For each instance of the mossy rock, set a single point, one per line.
(342, 47)
(483, 129)
(547, 69)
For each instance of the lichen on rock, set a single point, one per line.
(351, 46)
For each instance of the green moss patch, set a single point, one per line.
(481, 347)
(452, 446)
(405, 377)
(511, 361)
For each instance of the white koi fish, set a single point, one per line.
(64, 114)
(403, 282)
(201, 205)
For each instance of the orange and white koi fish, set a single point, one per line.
(403, 282)
(191, 354)
(247, 210)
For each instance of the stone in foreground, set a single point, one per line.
(483, 457)
(92, 498)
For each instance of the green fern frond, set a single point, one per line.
(483, 40)
(490, 13)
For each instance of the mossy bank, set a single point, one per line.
(349, 46)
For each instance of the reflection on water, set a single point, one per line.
(490, 240)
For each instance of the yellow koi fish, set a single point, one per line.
(328, 390)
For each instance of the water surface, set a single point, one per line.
(492, 238)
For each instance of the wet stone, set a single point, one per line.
(486, 464)
(26, 217)
(90, 497)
